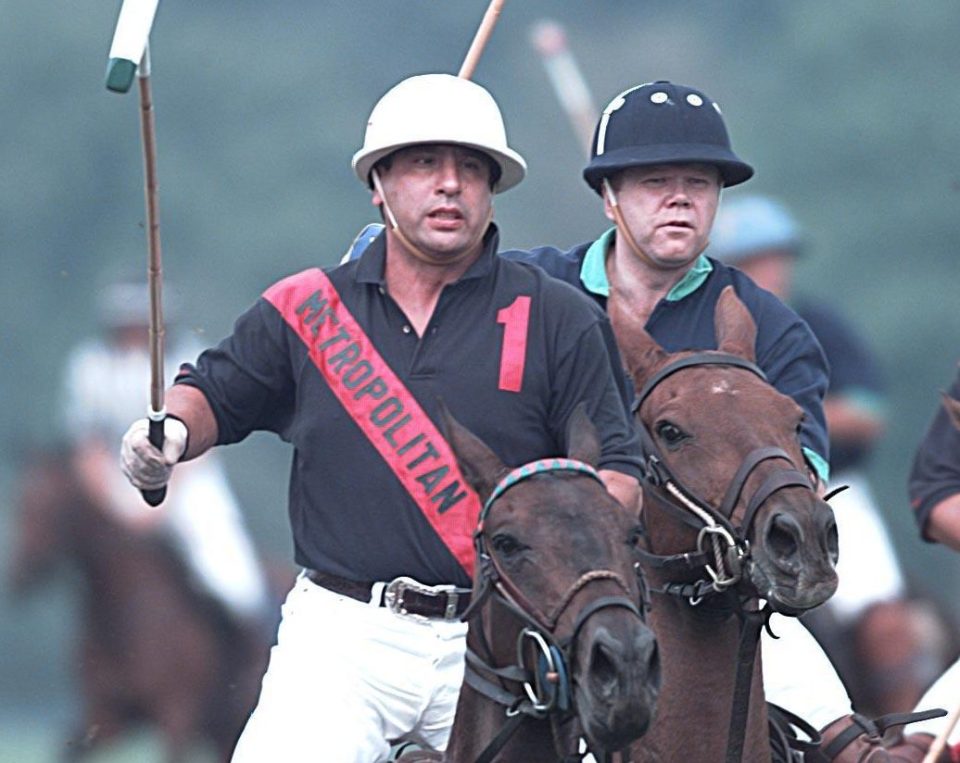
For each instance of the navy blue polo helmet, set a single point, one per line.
(662, 123)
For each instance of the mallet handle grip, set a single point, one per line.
(155, 497)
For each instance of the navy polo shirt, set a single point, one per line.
(786, 349)
(935, 474)
(854, 372)
(349, 513)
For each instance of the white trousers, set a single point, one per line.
(345, 678)
(868, 567)
(206, 522)
(798, 675)
(203, 520)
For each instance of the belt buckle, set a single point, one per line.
(393, 596)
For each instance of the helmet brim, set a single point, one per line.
(512, 166)
(733, 170)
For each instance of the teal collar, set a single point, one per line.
(593, 271)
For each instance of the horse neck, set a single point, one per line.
(113, 559)
(698, 654)
(698, 649)
(477, 722)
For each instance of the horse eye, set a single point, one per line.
(671, 434)
(506, 545)
(635, 536)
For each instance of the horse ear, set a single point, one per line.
(736, 330)
(641, 354)
(953, 409)
(583, 442)
(480, 465)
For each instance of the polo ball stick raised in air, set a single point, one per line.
(129, 55)
(550, 41)
(480, 39)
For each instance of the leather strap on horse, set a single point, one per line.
(785, 744)
(873, 728)
(696, 359)
(380, 405)
(750, 626)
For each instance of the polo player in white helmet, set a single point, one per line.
(348, 365)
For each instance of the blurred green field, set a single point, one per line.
(31, 740)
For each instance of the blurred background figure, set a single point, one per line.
(106, 385)
(886, 645)
(934, 492)
(174, 622)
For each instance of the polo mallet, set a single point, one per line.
(129, 54)
(480, 39)
(550, 41)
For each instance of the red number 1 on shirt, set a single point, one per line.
(515, 320)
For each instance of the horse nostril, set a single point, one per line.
(603, 669)
(653, 667)
(784, 536)
(831, 539)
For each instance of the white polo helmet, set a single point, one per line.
(439, 108)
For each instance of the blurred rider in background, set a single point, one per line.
(106, 384)
(886, 648)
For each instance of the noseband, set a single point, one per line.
(729, 550)
(547, 685)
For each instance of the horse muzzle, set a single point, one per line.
(616, 679)
(795, 561)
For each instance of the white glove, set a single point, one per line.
(145, 466)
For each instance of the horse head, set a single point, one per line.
(725, 469)
(556, 591)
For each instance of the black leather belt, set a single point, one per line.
(404, 596)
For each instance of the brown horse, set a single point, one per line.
(557, 646)
(730, 518)
(153, 650)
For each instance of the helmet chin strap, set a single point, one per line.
(416, 251)
(623, 230)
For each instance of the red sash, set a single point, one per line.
(384, 409)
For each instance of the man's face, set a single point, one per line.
(440, 195)
(669, 209)
(772, 269)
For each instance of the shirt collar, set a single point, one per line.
(372, 263)
(593, 271)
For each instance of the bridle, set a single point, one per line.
(545, 687)
(722, 548)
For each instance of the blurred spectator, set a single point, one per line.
(886, 648)
(934, 486)
(106, 385)
(934, 491)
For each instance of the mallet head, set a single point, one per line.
(129, 42)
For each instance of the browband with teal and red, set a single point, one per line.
(537, 467)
